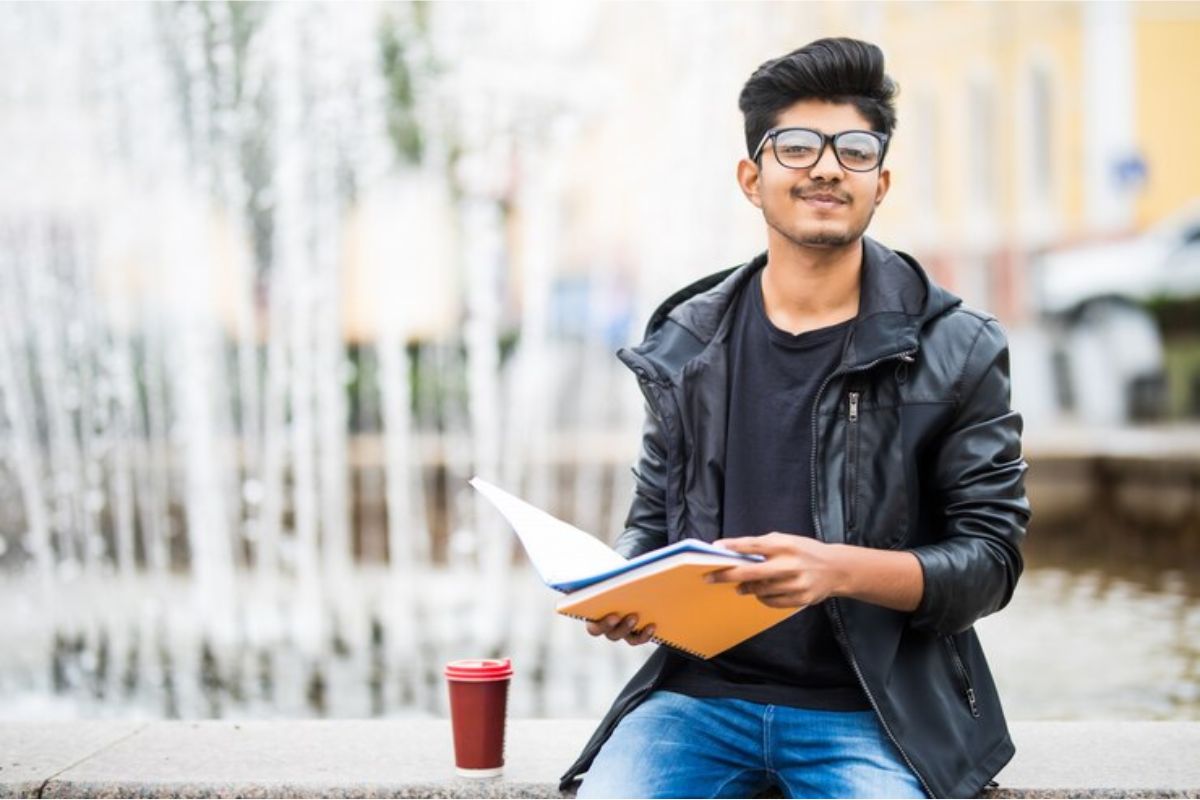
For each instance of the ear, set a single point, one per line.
(747, 178)
(881, 188)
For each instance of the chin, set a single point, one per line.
(818, 233)
(827, 239)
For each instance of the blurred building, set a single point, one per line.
(1037, 145)
(1040, 171)
(1030, 127)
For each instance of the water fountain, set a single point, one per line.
(210, 180)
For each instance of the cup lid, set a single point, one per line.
(475, 669)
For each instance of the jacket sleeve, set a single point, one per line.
(646, 523)
(979, 473)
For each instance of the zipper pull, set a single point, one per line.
(971, 702)
(854, 406)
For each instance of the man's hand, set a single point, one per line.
(800, 571)
(617, 629)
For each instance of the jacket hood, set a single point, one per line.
(897, 298)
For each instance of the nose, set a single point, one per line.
(827, 168)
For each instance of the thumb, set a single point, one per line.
(741, 544)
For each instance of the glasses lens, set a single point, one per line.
(858, 151)
(797, 149)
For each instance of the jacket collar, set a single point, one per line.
(896, 299)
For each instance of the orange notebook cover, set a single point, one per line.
(700, 618)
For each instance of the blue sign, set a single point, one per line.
(1129, 171)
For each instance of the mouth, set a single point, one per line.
(824, 200)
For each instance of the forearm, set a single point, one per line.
(889, 578)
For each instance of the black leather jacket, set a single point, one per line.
(915, 448)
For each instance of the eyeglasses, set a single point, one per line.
(801, 148)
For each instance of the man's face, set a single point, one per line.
(824, 205)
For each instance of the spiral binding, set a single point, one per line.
(655, 639)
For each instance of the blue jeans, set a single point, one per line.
(673, 745)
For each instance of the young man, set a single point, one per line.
(827, 406)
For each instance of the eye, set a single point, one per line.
(796, 149)
(858, 150)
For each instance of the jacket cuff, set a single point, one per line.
(929, 613)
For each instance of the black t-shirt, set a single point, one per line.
(774, 377)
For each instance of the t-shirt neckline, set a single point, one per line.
(805, 340)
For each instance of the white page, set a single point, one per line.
(559, 552)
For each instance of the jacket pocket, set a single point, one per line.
(964, 677)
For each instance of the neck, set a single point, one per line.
(805, 288)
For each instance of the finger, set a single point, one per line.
(747, 544)
(783, 601)
(718, 575)
(642, 636)
(765, 586)
(739, 574)
(621, 631)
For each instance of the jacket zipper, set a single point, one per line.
(852, 463)
(963, 675)
(834, 611)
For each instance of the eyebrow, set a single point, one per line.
(826, 133)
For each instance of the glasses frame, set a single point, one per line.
(826, 139)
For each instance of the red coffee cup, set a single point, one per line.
(478, 703)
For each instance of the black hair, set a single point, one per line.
(834, 70)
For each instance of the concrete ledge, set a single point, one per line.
(413, 758)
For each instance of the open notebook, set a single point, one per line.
(665, 587)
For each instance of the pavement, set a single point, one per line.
(414, 758)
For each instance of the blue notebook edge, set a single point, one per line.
(682, 546)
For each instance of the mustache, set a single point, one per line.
(805, 192)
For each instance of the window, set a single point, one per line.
(926, 172)
(1041, 134)
(981, 146)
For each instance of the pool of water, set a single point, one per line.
(1103, 627)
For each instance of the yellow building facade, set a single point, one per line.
(1168, 106)
(1027, 127)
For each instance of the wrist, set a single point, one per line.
(846, 572)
